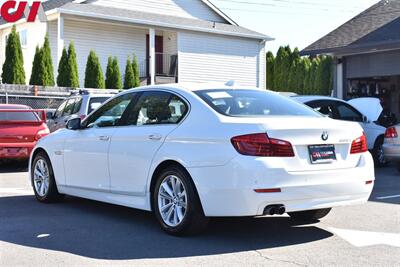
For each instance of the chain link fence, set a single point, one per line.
(36, 97)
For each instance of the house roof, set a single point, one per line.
(159, 20)
(376, 28)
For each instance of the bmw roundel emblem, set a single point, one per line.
(325, 136)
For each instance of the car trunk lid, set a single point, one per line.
(303, 132)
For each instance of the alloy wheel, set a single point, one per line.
(41, 177)
(172, 200)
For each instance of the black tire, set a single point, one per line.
(52, 195)
(309, 215)
(194, 220)
(378, 154)
(398, 166)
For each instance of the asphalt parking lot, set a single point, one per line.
(80, 232)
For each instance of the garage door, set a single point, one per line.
(370, 65)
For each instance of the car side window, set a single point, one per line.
(348, 113)
(324, 107)
(157, 107)
(109, 114)
(77, 106)
(60, 110)
(69, 107)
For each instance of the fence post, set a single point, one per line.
(5, 90)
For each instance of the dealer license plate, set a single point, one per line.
(322, 153)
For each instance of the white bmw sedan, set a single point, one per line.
(191, 152)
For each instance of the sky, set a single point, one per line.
(297, 23)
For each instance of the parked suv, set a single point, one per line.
(80, 104)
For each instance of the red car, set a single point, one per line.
(20, 128)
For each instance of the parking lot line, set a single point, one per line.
(387, 197)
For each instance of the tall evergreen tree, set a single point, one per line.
(36, 66)
(63, 71)
(73, 79)
(294, 72)
(13, 67)
(129, 78)
(109, 73)
(117, 74)
(270, 70)
(136, 71)
(301, 76)
(113, 74)
(313, 75)
(282, 68)
(93, 74)
(48, 71)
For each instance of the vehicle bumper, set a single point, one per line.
(16, 150)
(229, 190)
(392, 151)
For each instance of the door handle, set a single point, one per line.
(104, 138)
(155, 137)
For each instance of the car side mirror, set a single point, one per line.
(50, 114)
(74, 124)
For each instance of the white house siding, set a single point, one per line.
(106, 40)
(180, 8)
(53, 35)
(263, 66)
(210, 58)
(35, 36)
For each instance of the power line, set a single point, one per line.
(285, 2)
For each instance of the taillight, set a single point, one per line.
(391, 132)
(261, 145)
(359, 145)
(42, 133)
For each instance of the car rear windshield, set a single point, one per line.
(250, 103)
(18, 116)
(96, 102)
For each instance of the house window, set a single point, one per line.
(23, 36)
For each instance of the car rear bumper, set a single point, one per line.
(391, 151)
(229, 190)
(16, 150)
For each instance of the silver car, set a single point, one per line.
(391, 145)
(79, 104)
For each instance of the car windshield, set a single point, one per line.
(250, 103)
(96, 102)
(18, 116)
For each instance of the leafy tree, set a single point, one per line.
(13, 67)
(93, 74)
(36, 66)
(63, 71)
(48, 70)
(73, 79)
(270, 71)
(129, 79)
(136, 71)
